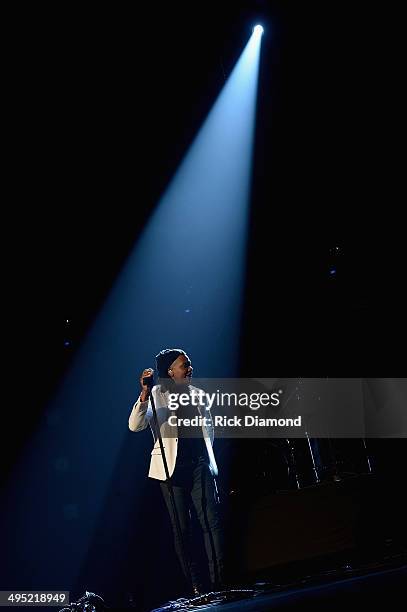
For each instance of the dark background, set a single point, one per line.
(102, 105)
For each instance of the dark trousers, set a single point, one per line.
(194, 488)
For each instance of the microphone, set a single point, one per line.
(149, 381)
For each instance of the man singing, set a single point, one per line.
(191, 463)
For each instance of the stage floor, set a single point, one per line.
(374, 585)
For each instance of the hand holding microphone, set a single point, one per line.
(146, 382)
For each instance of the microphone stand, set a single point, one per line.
(184, 554)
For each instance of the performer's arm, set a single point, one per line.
(139, 417)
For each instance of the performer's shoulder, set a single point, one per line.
(195, 389)
(157, 390)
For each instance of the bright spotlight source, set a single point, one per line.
(258, 29)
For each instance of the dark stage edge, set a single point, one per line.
(375, 585)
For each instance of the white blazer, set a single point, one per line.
(142, 415)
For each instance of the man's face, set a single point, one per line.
(181, 370)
